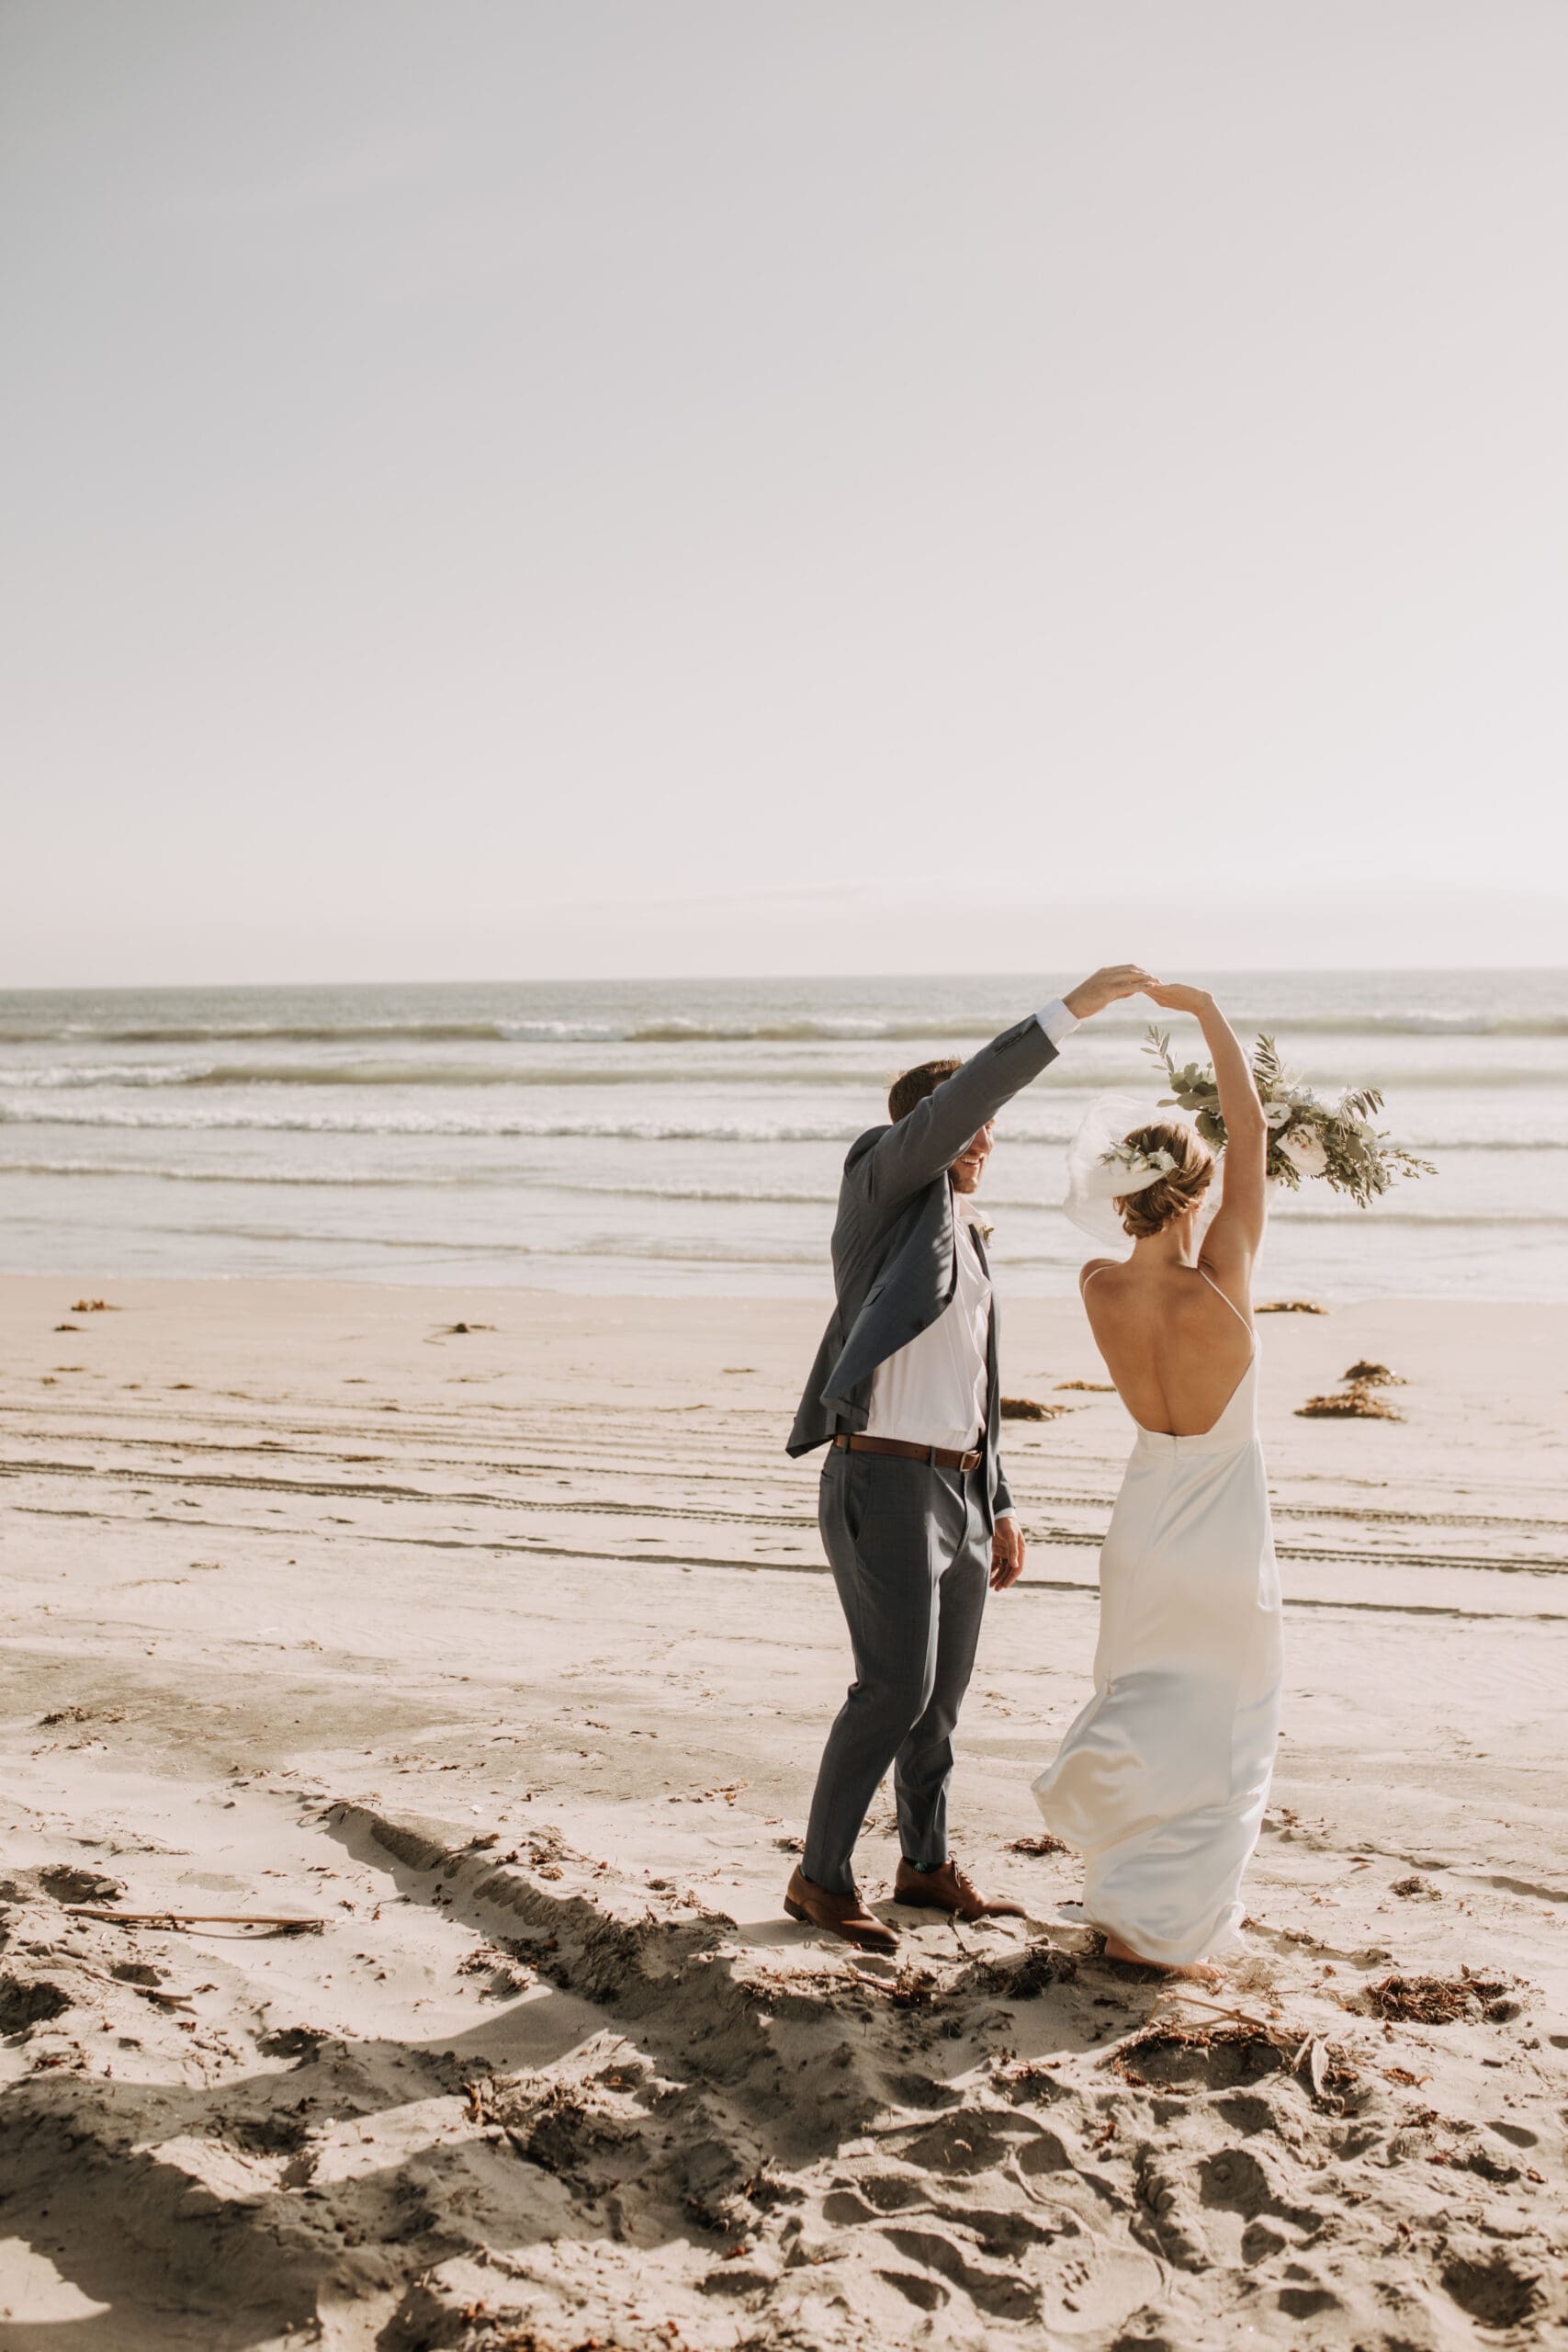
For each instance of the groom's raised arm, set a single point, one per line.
(929, 1137)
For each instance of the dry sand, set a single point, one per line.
(507, 1653)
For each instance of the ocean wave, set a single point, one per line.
(1078, 1075)
(671, 1030)
(1404, 1024)
(455, 1180)
(331, 1179)
(676, 1029)
(192, 1116)
(1347, 1216)
(253, 1120)
(292, 1032)
(674, 1249)
(1402, 1209)
(1412, 1023)
(48, 1076)
(85, 1076)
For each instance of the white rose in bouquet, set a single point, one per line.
(1306, 1151)
(1279, 1113)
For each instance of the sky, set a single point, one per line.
(501, 490)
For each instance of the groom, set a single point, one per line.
(915, 1511)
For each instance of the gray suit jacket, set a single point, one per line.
(894, 1263)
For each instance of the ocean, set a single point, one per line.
(673, 1137)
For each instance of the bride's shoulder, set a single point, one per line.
(1095, 1266)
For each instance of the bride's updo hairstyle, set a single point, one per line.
(1144, 1214)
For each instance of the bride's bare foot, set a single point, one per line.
(1200, 1972)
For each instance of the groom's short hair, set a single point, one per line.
(913, 1085)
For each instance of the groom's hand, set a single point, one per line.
(1105, 987)
(1007, 1555)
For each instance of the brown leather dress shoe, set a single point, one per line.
(842, 1915)
(947, 1889)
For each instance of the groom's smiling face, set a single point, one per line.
(970, 1165)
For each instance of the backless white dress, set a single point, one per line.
(1160, 1784)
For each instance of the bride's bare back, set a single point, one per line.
(1174, 1325)
(1175, 1347)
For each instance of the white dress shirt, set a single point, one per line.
(932, 1392)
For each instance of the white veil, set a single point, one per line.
(1095, 1179)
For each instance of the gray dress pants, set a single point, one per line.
(910, 1551)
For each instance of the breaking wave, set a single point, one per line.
(675, 1029)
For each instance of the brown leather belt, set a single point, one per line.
(941, 1457)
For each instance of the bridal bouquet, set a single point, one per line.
(1306, 1138)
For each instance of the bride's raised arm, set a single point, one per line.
(1236, 1234)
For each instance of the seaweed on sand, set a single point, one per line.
(1359, 1402)
(1433, 2000)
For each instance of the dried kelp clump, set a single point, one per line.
(1436, 2000)
(1178, 2052)
(1359, 1402)
(1041, 1966)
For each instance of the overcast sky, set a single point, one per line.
(506, 489)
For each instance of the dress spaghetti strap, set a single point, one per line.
(1089, 1274)
(1230, 1303)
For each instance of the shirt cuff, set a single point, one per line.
(1057, 1021)
(1009, 1513)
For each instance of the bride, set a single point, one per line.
(1161, 1781)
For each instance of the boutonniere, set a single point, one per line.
(983, 1227)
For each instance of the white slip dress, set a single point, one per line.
(1161, 1781)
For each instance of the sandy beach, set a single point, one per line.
(488, 1632)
